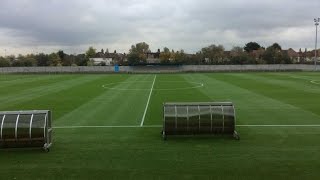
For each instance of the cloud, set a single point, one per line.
(181, 24)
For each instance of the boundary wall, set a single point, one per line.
(161, 69)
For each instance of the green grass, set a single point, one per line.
(140, 153)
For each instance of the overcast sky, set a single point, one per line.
(31, 26)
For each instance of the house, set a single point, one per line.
(118, 58)
(294, 56)
(312, 54)
(108, 59)
(153, 57)
(307, 56)
(227, 54)
(101, 61)
(257, 53)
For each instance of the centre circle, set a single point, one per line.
(315, 81)
(192, 86)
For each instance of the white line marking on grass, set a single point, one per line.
(195, 85)
(298, 77)
(158, 126)
(77, 127)
(147, 105)
(279, 125)
(311, 81)
(198, 85)
(315, 82)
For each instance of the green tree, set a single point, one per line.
(165, 56)
(285, 59)
(238, 56)
(80, 60)
(4, 62)
(242, 58)
(11, 58)
(249, 47)
(90, 53)
(180, 57)
(42, 59)
(137, 53)
(29, 60)
(269, 56)
(134, 58)
(16, 63)
(236, 50)
(276, 46)
(192, 59)
(68, 60)
(61, 55)
(200, 58)
(273, 55)
(213, 54)
(54, 59)
(141, 47)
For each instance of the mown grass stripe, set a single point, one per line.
(112, 107)
(38, 91)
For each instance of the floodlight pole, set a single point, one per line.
(316, 20)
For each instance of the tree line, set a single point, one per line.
(53, 59)
(251, 53)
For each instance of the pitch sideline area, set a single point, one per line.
(114, 133)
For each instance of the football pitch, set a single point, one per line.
(107, 126)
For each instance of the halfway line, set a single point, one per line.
(147, 105)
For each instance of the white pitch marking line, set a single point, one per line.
(157, 126)
(197, 85)
(76, 127)
(280, 125)
(311, 81)
(315, 82)
(147, 105)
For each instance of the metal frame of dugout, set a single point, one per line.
(207, 118)
(25, 129)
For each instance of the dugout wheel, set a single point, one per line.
(164, 136)
(46, 148)
(236, 135)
